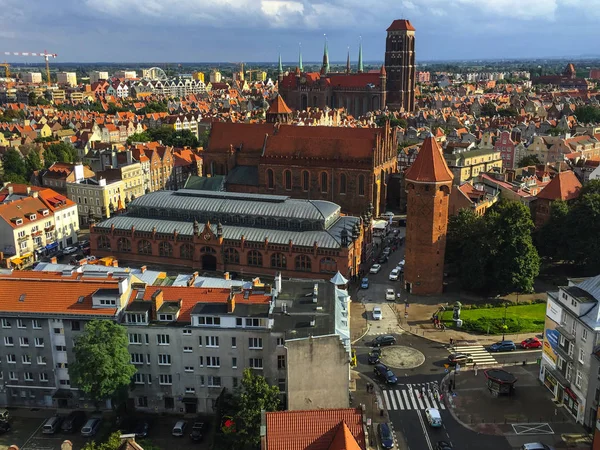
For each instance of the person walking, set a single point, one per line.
(475, 368)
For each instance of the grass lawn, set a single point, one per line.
(519, 319)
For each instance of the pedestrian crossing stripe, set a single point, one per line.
(478, 352)
(410, 397)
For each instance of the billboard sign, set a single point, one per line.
(554, 310)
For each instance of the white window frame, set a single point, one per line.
(212, 341)
(35, 324)
(163, 339)
(188, 349)
(44, 377)
(39, 342)
(165, 379)
(164, 359)
(255, 343)
(26, 358)
(21, 324)
(188, 369)
(137, 358)
(578, 378)
(6, 323)
(9, 341)
(255, 363)
(582, 356)
(584, 334)
(23, 341)
(213, 361)
(211, 381)
(41, 360)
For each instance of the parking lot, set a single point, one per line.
(26, 433)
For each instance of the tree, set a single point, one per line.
(60, 152)
(203, 140)
(583, 223)
(588, 114)
(551, 239)
(33, 162)
(112, 443)
(138, 137)
(255, 396)
(14, 166)
(101, 367)
(529, 160)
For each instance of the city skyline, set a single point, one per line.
(190, 31)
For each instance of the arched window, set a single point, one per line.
(186, 251)
(255, 258)
(144, 247)
(343, 183)
(303, 263)
(231, 256)
(103, 243)
(278, 261)
(305, 180)
(324, 182)
(207, 250)
(123, 245)
(270, 180)
(165, 249)
(327, 265)
(287, 176)
(361, 185)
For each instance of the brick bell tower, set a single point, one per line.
(400, 65)
(428, 185)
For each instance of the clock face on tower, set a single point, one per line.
(207, 237)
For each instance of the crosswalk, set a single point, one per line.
(479, 353)
(418, 396)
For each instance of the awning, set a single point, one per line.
(16, 261)
(51, 246)
(193, 400)
(26, 255)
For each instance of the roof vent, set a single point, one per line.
(22, 297)
(80, 299)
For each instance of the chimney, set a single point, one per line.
(192, 279)
(226, 275)
(157, 301)
(10, 190)
(115, 263)
(143, 269)
(29, 191)
(66, 445)
(231, 304)
(129, 156)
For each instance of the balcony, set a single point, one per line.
(563, 354)
(567, 334)
(23, 238)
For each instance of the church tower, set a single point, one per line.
(428, 185)
(400, 65)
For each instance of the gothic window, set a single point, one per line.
(270, 180)
(278, 261)
(327, 265)
(287, 175)
(165, 249)
(305, 180)
(361, 185)
(343, 183)
(231, 256)
(303, 263)
(186, 251)
(144, 247)
(103, 243)
(207, 250)
(124, 245)
(255, 258)
(324, 182)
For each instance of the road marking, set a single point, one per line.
(426, 400)
(478, 352)
(400, 404)
(418, 396)
(424, 430)
(387, 402)
(33, 434)
(393, 400)
(410, 397)
(532, 428)
(407, 400)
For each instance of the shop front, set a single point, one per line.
(571, 402)
(550, 382)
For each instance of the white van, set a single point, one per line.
(179, 428)
(51, 425)
(433, 417)
(90, 428)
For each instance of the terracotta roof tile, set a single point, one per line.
(344, 440)
(429, 165)
(313, 430)
(564, 186)
(401, 25)
(278, 106)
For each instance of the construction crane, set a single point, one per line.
(6, 69)
(44, 55)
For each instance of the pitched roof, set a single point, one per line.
(429, 165)
(401, 25)
(321, 429)
(564, 186)
(278, 106)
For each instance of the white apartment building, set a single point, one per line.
(31, 77)
(69, 78)
(97, 75)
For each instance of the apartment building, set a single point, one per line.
(34, 222)
(96, 76)
(97, 197)
(127, 74)
(569, 366)
(40, 316)
(68, 78)
(31, 77)
(467, 165)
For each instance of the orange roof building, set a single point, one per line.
(564, 186)
(429, 166)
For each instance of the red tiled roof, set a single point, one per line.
(313, 430)
(21, 209)
(278, 106)
(429, 165)
(344, 440)
(401, 25)
(564, 186)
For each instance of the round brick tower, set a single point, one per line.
(428, 185)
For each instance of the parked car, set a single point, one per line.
(443, 445)
(141, 429)
(385, 374)
(385, 436)
(459, 358)
(4, 427)
(374, 356)
(197, 433)
(52, 425)
(531, 343)
(69, 250)
(502, 346)
(394, 274)
(390, 295)
(386, 251)
(377, 314)
(536, 446)
(4, 415)
(383, 259)
(383, 340)
(74, 421)
(91, 427)
(375, 268)
(364, 283)
(387, 215)
(179, 428)
(83, 243)
(433, 417)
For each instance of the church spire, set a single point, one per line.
(325, 67)
(280, 65)
(360, 61)
(300, 57)
(348, 68)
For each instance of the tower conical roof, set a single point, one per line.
(325, 67)
(429, 166)
(280, 65)
(360, 59)
(300, 59)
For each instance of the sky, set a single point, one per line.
(228, 31)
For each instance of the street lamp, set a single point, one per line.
(504, 321)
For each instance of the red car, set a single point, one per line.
(531, 343)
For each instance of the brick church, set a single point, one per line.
(392, 86)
